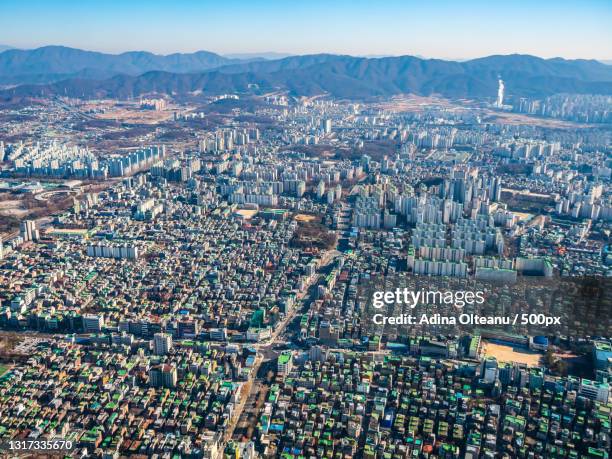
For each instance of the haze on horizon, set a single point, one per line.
(444, 29)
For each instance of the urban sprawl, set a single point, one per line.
(195, 289)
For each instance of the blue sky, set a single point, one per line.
(443, 29)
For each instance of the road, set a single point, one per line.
(266, 351)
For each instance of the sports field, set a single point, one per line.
(507, 353)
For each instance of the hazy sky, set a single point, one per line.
(443, 29)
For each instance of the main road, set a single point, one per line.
(266, 351)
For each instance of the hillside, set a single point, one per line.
(341, 76)
(52, 63)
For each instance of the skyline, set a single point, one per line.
(570, 30)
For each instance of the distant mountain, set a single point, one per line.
(354, 78)
(265, 55)
(53, 63)
(5, 47)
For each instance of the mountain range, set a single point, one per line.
(53, 63)
(77, 73)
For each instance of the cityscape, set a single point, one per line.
(298, 256)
